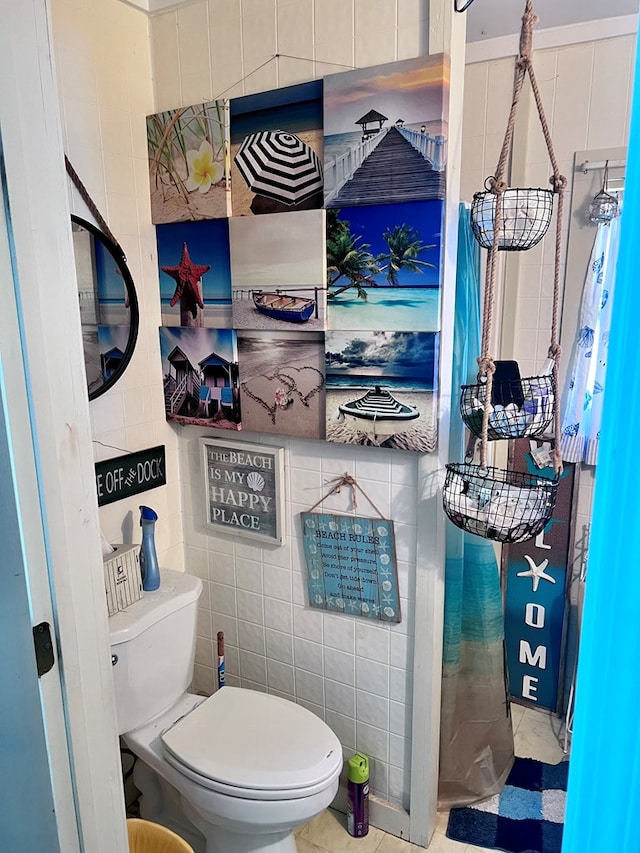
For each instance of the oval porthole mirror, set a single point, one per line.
(108, 306)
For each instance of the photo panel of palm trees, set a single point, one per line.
(282, 382)
(383, 266)
(195, 273)
(278, 271)
(189, 163)
(385, 132)
(382, 389)
(200, 376)
(276, 150)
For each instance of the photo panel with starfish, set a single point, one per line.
(384, 266)
(200, 376)
(276, 150)
(195, 273)
(189, 163)
(282, 382)
(385, 132)
(278, 271)
(382, 389)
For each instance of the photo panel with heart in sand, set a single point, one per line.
(278, 272)
(282, 382)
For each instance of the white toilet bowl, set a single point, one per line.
(243, 768)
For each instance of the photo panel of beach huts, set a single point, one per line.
(278, 271)
(188, 150)
(104, 348)
(282, 382)
(383, 266)
(200, 376)
(195, 273)
(276, 150)
(385, 132)
(381, 389)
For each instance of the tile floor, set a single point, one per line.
(536, 734)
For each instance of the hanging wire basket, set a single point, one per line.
(526, 214)
(526, 408)
(506, 506)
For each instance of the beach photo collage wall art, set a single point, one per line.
(299, 236)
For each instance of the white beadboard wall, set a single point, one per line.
(586, 92)
(102, 55)
(353, 673)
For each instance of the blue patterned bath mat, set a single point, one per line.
(526, 817)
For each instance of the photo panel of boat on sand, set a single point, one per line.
(200, 376)
(276, 150)
(384, 266)
(282, 382)
(278, 271)
(381, 389)
(195, 273)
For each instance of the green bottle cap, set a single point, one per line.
(358, 768)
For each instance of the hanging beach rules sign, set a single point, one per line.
(243, 488)
(351, 564)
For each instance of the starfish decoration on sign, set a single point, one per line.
(536, 573)
(187, 275)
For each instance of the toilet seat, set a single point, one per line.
(253, 745)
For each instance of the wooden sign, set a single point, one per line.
(131, 474)
(243, 488)
(351, 565)
(536, 574)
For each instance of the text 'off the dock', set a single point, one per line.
(243, 488)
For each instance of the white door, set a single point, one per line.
(36, 803)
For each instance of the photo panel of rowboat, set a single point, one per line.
(282, 382)
(276, 150)
(195, 273)
(188, 150)
(278, 271)
(200, 376)
(384, 266)
(381, 389)
(385, 133)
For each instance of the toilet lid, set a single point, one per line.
(256, 741)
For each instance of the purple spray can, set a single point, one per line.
(358, 795)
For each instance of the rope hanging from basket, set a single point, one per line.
(497, 186)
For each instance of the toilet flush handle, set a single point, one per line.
(114, 660)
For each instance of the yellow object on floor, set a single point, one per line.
(148, 837)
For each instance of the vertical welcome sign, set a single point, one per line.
(536, 574)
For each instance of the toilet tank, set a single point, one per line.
(153, 644)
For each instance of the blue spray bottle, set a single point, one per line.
(148, 558)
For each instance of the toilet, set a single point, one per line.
(231, 773)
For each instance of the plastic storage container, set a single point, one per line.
(148, 837)
(358, 795)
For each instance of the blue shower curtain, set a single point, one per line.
(476, 736)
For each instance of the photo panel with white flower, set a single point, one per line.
(195, 273)
(200, 377)
(189, 163)
(278, 271)
(382, 389)
(276, 150)
(282, 382)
